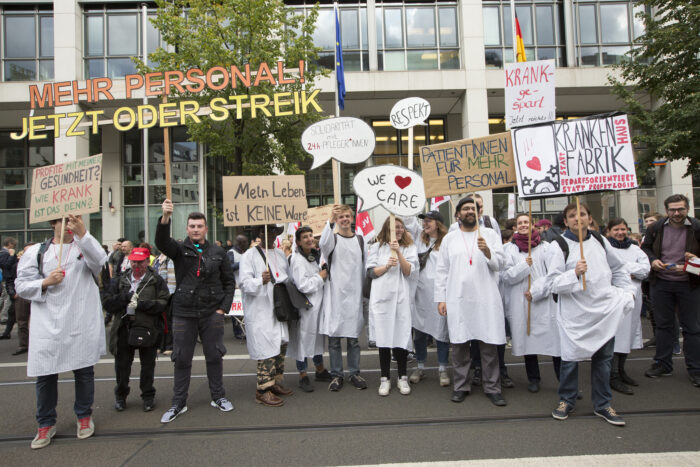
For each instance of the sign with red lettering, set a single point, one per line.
(68, 188)
(574, 156)
(529, 92)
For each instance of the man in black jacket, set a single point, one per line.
(669, 243)
(204, 294)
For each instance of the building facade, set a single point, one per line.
(448, 52)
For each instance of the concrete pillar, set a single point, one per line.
(670, 181)
(372, 35)
(111, 178)
(628, 208)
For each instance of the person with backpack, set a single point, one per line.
(341, 315)
(588, 319)
(267, 337)
(66, 332)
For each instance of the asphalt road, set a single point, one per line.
(349, 427)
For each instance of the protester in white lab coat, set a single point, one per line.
(543, 336)
(588, 319)
(390, 265)
(267, 337)
(341, 315)
(426, 320)
(309, 277)
(629, 331)
(466, 289)
(66, 331)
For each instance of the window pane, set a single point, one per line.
(12, 219)
(448, 27)
(385, 138)
(507, 27)
(349, 29)
(20, 70)
(132, 175)
(324, 35)
(363, 27)
(587, 24)
(181, 194)
(492, 27)
(95, 68)
(12, 178)
(11, 151)
(638, 23)
(184, 172)
(380, 27)
(93, 36)
(614, 24)
(13, 199)
(153, 38)
(352, 61)
(41, 152)
(20, 41)
(394, 61)
(437, 131)
(420, 27)
(494, 58)
(589, 56)
(393, 28)
(449, 59)
(422, 59)
(133, 195)
(133, 224)
(614, 55)
(525, 19)
(46, 33)
(545, 25)
(122, 35)
(546, 53)
(19, 236)
(45, 70)
(120, 67)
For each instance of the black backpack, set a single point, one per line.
(565, 249)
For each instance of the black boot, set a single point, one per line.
(615, 380)
(621, 369)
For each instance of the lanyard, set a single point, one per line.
(470, 253)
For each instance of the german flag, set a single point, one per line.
(519, 44)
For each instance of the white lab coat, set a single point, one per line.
(67, 329)
(390, 299)
(588, 319)
(474, 306)
(629, 331)
(424, 307)
(544, 331)
(264, 334)
(341, 314)
(304, 338)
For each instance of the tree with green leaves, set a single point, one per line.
(660, 83)
(207, 33)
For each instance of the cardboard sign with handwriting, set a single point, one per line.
(268, 199)
(316, 218)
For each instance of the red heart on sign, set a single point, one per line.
(402, 182)
(534, 163)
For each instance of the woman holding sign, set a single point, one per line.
(534, 330)
(390, 264)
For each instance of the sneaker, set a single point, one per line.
(476, 379)
(444, 379)
(172, 413)
(305, 384)
(43, 437)
(533, 386)
(403, 386)
(336, 385)
(120, 405)
(411, 357)
(676, 349)
(416, 376)
(372, 345)
(86, 427)
(149, 405)
(695, 380)
(562, 411)
(616, 384)
(609, 415)
(324, 376)
(358, 381)
(384, 387)
(656, 370)
(222, 404)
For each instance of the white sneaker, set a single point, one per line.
(416, 376)
(444, 379)
(403, 386)
(86, 427)
(384, 387)
(43, 437)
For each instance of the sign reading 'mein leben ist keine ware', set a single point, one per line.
(268, 199)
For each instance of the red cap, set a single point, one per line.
(139, 254)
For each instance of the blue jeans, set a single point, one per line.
(47, 396)
(420, 341)
(301, 364)
(601, 363)
(336, 356)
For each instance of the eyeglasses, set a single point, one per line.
(679, 210)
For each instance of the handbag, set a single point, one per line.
(423, 257)
(140, 336)
(287, 300)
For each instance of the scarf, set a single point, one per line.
(521, 240)
(572, 236)
(624, 244)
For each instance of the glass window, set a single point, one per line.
(614, 55)
(614, 23)
(422, 59)
(120, 67)
(394, 28)
(349, 29)
(46, 36)
(324, 35)
(95, 67)
(45, 70)
(587, 24)
(525, 20)
(449, 59)
(12, 219)
(394, 61)
(492, 26)
(638, 22)
(385, 137)
(152, 36)
(20, 39)
(494, 58)
(94, 35)
(380, 28)
(507, 27)
(545, 25)
(420, 28)
(448, 27)
(122, 35)
(589, 56)
(16, 70)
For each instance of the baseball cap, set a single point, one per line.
(139, 254)
(432, 215)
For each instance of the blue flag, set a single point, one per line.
(339, 70)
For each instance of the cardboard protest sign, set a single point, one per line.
(316, 218)
(409, 112)
(68, 188)
(268, 199)
(400, 191)
(468, 165)
(345, 139)
(529, 92)
(575, 156)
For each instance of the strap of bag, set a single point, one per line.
(272, 278)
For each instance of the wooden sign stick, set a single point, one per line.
(267, 266)
(60, 247)
(392, 232)
(529, 255)
(580, 240)
(166, 151)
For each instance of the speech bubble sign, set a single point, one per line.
(400, 191)
(345, 139)
(409, 112)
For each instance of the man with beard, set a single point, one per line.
(469, 261)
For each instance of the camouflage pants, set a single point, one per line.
(271, 370)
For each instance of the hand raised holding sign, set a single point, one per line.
(167, 211)
(483, 246)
